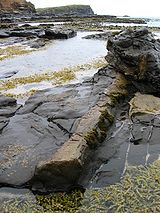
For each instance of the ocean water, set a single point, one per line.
(59, 54)
(55, 56)
(154, 22)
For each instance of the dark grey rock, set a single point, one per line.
(8, 74)
(7, 101)
(9, 111)
(59, 33)
(47, 120)
(38, 43)
(25, 141)
(136, 54)
(3, 123)
(24, 33)
(99, 36)
(3, 34)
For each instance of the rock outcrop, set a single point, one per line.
(145, 117)
(59, 33)
(136, 54)
(38, 32)
(16, 6)
(48, 142)
(99, 36)
(70, 10)
(65, 115)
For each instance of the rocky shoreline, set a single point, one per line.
(48, 144)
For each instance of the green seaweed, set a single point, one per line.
(56, 77)
(98, 134)
(11, 51)
(92, 138)
(138, 191)
(61, 202)
(57, 202)
(105, 120)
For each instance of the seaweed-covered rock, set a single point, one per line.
(136, 54)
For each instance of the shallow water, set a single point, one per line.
(58, 54)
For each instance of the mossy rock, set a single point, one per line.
(99, 133)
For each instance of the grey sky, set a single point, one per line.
(147, 8)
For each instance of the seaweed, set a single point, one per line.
(138, 191)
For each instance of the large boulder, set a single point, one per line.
(59, 33)
(136, 54)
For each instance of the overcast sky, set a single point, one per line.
(149, 8)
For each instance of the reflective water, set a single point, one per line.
(58, 54)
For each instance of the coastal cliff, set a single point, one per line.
(16, 6)
(78, 10)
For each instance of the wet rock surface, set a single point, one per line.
(34, 36)
(50, 142)
(3, 34)
(136, 54)
(59, 34)
(101, 36)
(46, 121)
(132, 140)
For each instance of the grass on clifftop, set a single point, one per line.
(12, 51)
